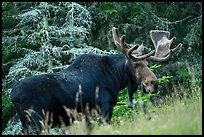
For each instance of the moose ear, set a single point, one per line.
(140, 49)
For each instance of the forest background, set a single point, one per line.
(41, 37)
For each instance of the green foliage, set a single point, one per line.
(5, 13)
(155, 66)
(181, 70)
(193, 38)
(4, 5)
(124, 109)
(7, 110)
(110, 11)
(8, 21)
(164, 79)
(10, 54)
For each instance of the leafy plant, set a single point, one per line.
(164, 79)
(7, 110)
(155, 66)
(110, 11)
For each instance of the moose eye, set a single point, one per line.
(152, 81)
(136, 65)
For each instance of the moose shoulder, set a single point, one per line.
(107, 74)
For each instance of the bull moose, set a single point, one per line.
(108, 73)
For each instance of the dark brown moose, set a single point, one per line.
(75, 87)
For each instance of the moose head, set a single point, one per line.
(137, 60)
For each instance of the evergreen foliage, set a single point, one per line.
(45, 37)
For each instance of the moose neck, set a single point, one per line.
(120, 71)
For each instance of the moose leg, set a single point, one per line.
(24, 122)
(106, 111)
(106, 103)
(32, 117)
(132, 87)
(22, 117)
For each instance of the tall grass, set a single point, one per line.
(175, 117)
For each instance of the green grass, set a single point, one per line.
(178, 118)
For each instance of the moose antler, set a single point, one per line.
(162, 45)
(121, 45)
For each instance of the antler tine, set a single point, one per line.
(141, 57)
(129, 52)
(177, 47)
(171, 40)
(121, 45)
(119, 42)
(154, 58)
(116, 38)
